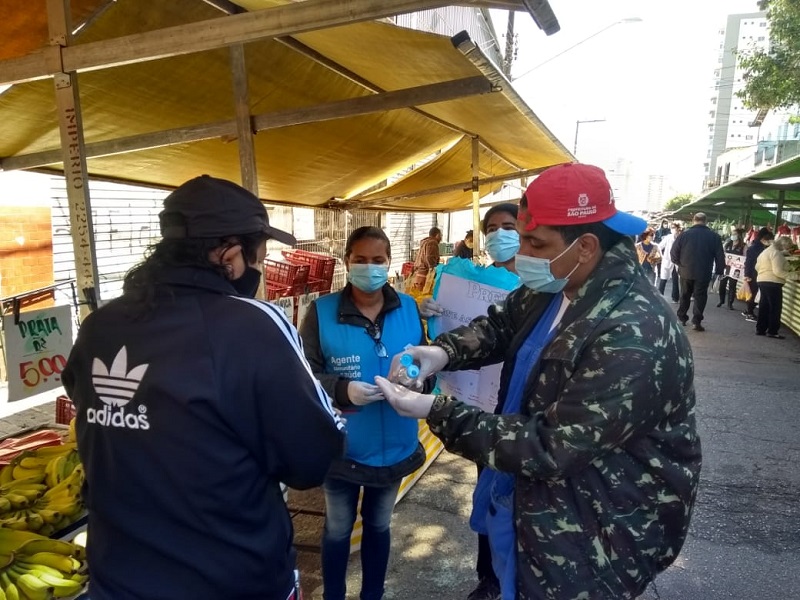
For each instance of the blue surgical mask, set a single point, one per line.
(502, 245)
(368, 278)
(535, 273)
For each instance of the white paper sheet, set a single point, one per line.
(462, 301)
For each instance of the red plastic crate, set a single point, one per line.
(322, 286)
(322, 265)
(282, 274)
(277, 291)
(65, 410)
(407, 269)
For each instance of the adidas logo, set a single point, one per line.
(116, 387)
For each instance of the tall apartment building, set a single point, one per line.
(657, 192)
(731, 125)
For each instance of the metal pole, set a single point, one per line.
(575, 145)
(779, 212)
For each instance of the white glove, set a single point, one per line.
(406, 402)
(361, 393)
(431, 360)
(430, 308)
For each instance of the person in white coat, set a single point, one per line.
(668, 268)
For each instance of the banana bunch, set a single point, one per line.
(38, 568)
(40, 490)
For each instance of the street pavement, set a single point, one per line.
(744, 541)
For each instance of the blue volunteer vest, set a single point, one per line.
(376, 435)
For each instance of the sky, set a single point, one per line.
(651, 81)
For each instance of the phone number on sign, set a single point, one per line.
(33, 373)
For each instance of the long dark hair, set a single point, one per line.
(141, 281)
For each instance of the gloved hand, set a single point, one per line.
(361, 393)
(406, 402)
(430, 308)
(431, 359)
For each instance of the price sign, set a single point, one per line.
(37, 348)
(302, 306)
(287, 304)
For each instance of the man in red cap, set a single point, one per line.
(594, 458)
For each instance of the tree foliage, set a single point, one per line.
(772, 77)
(678, 201)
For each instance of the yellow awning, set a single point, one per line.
(161, 122)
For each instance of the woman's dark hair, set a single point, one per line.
(368, 231)
(764, 234)
(506, 207)
(141, 281)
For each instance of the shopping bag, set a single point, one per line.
(744, 293)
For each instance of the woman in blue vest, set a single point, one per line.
(349, 338)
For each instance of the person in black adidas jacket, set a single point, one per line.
(194, 402)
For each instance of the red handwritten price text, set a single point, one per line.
(32, 372)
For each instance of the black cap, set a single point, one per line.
(207, 207)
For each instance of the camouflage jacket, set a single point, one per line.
(606, 453)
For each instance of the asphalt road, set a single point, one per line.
(744, 541)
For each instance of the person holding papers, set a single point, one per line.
(595, 460)
(349, 337)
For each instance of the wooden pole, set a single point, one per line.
(476, 200)
(74, 157)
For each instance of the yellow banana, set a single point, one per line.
(60, 585)
(21, 472)
(49, 516)
(72, 436)
(33, 587)
(7, 474)
(50, 560)
(11, 541)
(10, 588)
(35, 463)
(43, 544)
(51, 451)
(5, 505)
(17, 500)
(2, 593)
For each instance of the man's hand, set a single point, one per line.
(430, 308)
(361, 393)
(406, 402)
(431, 360)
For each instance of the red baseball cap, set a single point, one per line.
(575, 194)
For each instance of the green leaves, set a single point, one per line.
(772, 77)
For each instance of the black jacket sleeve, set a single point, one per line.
(298, 410)
(675, 251)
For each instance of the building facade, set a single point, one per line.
(731, 125)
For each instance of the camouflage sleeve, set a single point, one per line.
(613, 393)
(487, 338)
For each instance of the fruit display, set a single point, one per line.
(40, 490)
(33, 567)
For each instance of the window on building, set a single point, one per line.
(761, 39)
(748, 137)
(762, 24)
(712, 113)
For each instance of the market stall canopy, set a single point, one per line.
(762, 195)
(338, 110)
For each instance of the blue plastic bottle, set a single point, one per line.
(407, 375)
